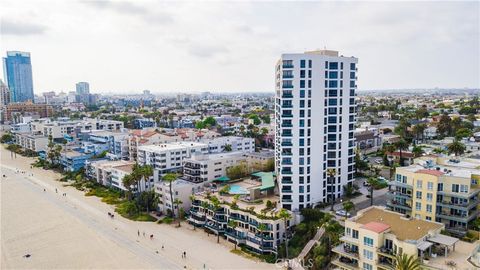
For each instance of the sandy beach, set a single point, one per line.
(75, 232)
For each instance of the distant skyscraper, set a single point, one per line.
(17, 69)
(4, 94)
(82, 88)
(315, 115)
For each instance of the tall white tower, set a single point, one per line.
(315, 116)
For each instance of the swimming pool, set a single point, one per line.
(236, 189)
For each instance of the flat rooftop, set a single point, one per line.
(443, 170)
(401, 227)
(170, 146)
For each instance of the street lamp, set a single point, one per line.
(331, 175)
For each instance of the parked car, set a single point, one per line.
(342, 213)
(378, 161)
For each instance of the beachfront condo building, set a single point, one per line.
(17, 71)
(244, 213)
(203, 168)
(315, 116)
(439, 189)
(375, 236)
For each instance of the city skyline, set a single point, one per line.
(162, 43)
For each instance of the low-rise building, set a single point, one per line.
(438, 189)
(261, 161)
(74, 160)
(238, 215)
(375, 236)
(43, 110)
(31, 142)
(203, 168)
(181, 192)
(111, 173)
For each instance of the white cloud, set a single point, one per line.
(191, 46)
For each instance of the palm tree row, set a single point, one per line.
(133, 179)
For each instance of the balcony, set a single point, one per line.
(287, 144)
(287, 96)
(287, 125)
(286, 153)
(287, 200)
(346, 263)
(387, 252)
(399, 184)
(214, 228)
(287, 191)
(287, 106)
(472, 193)
(287, 86)
(467, 206)
(287, 115)
(287, 76)
(398, 204)
(287, 66)
(396, 194)
(387, 264)
(287, 134)
(287, 182)
(286, 172)
(461, 218)
(286, 162)
(346, 251)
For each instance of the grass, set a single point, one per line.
(165, 220)
(127, 209)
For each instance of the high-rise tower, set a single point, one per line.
(17, 69)
(315, 115)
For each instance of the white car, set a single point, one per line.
(342, 213)
(378, 161)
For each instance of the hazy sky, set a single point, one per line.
(121, 46)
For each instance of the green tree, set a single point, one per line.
(463, 133)
(6, 138)
(170, 178)
(374, 183)
(444, 126)
(407, 262)
(233, 224)
(261, 229)
(238, 171)
(177, 202)
(285, 216)
(331, 180)
(228, 148)
(348, 206)
(417, 151)
(401, 145)
(456, 148)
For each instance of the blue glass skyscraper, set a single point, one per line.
(17, 70)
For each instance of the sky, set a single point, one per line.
(165, 47)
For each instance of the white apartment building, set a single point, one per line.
(242, 144)
(32, 142)
(111, 173)
(60, 128)
(168, 157)
(202, 168)
(181, 190)
(315, 115)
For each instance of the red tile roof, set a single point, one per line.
(431, 172)
(377, 227)
(404, 154)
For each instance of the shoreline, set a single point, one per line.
(120, 233)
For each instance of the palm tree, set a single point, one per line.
(233, 224)
(285, 216)
(216, 207)
(401, 145)
(330, 233)
(456, 147)
(146, 172)
(373, 183)
(418, 131)
(127, 181)
(348, 206)
(331, 174)
(177, 203)
(261, 228)
(170, 178)
(406, 262)
(417, 151)
(192, 199)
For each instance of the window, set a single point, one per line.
(302, 63)
(419, 195)
(455, 188)
(352, 66)
(332, 84)
(368, 241)
(419, 183)
(333, 65)
(348, 231)
(429, 208)
(429, 197)
(367, 266)
(418, 206)
(430, 185)
(355, 234)
(368, 254)
(440, 187)
(463, 189)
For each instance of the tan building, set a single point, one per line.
(43, 110)
(375, 236)
(438, 189)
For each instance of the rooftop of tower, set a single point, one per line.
(324, 52)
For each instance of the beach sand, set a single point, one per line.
(75, 232)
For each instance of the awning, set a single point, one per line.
(223, 179)
(423, 245)
(267, 179)
(443, 240)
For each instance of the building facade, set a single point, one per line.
(17, 68)
(438, 189)
(4, 94)
(27, 108)
(315, 116)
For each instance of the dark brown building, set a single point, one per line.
(28, 108)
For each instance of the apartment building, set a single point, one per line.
(375, 236)
(66, 127)
(181, 192)
(203, 168)
(261, 232)
(30, 141)
(315, 116)
(27, 108)
(111, 173)
(438, 189)
(168, 157)
(235, 143)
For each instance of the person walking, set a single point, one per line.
(185, 254)
(138, 232)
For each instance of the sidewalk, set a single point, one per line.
(356, 200)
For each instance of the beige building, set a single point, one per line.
(111, 173)
(31, 142)
(438, 189)
(375, 236)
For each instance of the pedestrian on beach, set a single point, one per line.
(143, 234)
(182, 255)
(162, 247)
(56, 191)
(138, 232)
(44, 190)
(185, 254)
